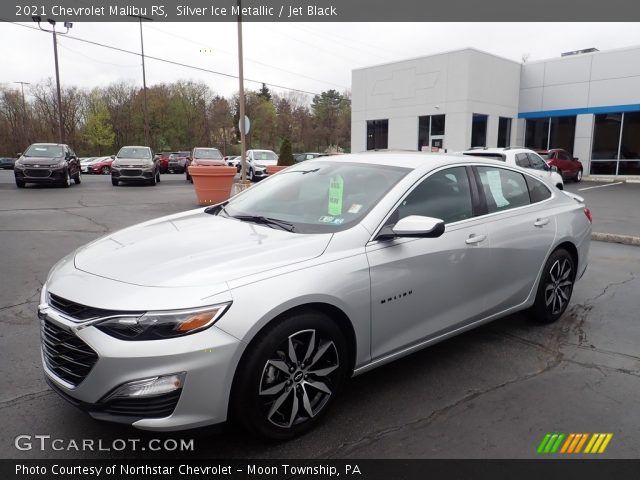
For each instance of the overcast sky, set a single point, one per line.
(308, 56)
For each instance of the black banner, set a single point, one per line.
(541, 469)
(322, 10)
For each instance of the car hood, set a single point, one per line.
(207, 162)
(40, 161)
(133, 161)
(195, 249)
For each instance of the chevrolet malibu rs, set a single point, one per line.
(324, 271)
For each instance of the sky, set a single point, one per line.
(311, 57)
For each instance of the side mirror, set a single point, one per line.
(414, 226)
(18, 155)
(553, 168)
(575, 159)
(112, 157)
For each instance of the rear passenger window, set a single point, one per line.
(503, 189)
(538, 191)
(537, 162)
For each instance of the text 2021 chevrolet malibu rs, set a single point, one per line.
(327, 269)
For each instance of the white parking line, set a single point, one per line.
(600, 186)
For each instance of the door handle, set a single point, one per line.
(541, 222)
(475, 239)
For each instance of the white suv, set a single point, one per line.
(522, 157)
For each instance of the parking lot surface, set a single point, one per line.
(491, 393)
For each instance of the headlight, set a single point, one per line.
(162, 325)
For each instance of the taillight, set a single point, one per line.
(588, 214)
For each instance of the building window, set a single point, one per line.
(616, 144)
(562, 133)
(504, 132)
(430, 126)
(551, 132)
(377, 134)
(479, 130)
(536, 134)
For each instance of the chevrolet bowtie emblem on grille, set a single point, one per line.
(36, 165)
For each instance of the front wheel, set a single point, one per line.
(105, 170)
(20, 183)
(66, 181)
(555, 288)
(578, 176)
(290, 376)
(114, 182)
(77, 179)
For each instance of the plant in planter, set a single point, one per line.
(285, 159)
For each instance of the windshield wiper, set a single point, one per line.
(270, 222)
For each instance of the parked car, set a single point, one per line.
(234, 161)
(47, 163)
(163, 161)
(204, 156)
(301, 157)
(7, 163)
(271, 300)
(178, 162)
(101, 165)
(568, 166)
(85, 162)
(257, 162)
(135, 164)
(522, 157)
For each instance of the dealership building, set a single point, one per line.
(586, 102)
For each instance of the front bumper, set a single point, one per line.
(176, 167)
(40, 174)
(132, 174)
(208, 359)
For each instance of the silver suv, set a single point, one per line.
(521, 157)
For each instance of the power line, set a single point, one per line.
(172, 62)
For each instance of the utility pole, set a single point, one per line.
(24, 112)
(145, 110)
(243, 145)
(67, 25)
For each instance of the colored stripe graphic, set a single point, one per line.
(573, 443)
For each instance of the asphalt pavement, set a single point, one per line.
(490, 393)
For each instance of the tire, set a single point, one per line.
(578, 177)
(555, 288)
(252, 177)
(278, 395)
(188, 177)
(105, 170)
(20, 183)
(158, 176)
(153, 181)
(77, 179)
(114, 182)
(66, 182)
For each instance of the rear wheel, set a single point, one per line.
(290, 376)
(555, 288)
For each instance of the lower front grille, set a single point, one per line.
(130, 173)
(65, 354)
(150, 407)
(32, 172)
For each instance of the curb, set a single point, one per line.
(616, 238)
(611, 179)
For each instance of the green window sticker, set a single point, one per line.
(336, 190)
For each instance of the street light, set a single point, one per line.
(243, 144)
(24, 111)
(67, 25)
(144, 83)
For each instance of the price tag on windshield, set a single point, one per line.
(336, 189)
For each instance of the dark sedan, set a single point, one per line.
(47, 163)
(7, 163)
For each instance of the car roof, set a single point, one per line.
(413, 160)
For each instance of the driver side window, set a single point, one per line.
(445, 195)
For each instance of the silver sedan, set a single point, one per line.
(275, 298)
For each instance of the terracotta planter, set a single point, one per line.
(271, 169)
(212, 184)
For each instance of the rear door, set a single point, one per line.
(521, 231)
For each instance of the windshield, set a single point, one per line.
(546, 156)
(207, 153)
(264, 155)
(318, 197)
(134, 152)
(44, 151)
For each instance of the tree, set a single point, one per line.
(286, 157)
(98, 128)
(264, 93)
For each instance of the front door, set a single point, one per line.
(421, 287)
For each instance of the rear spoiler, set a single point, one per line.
(577, 198)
